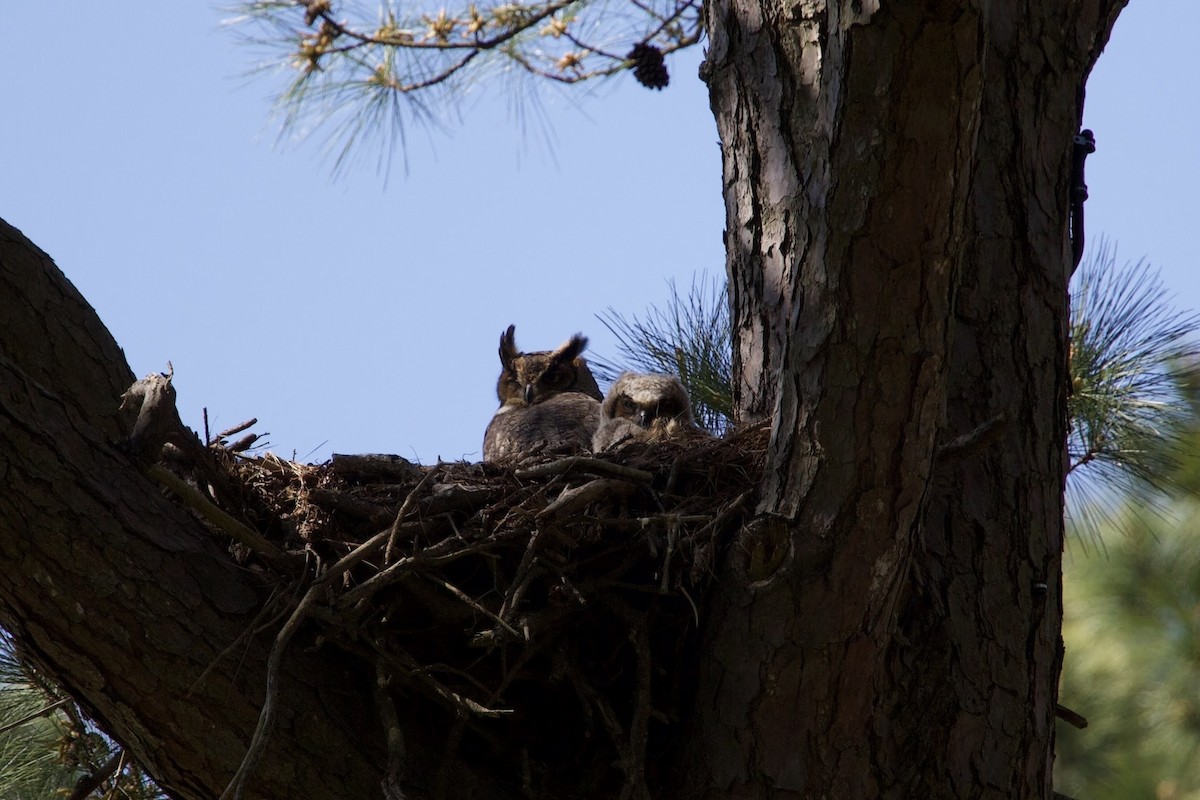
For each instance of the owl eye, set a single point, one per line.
(628, 407)
(555, 378)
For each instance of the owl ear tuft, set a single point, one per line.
(569, 350)
(508, 346)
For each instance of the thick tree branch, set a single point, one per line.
(126, 599)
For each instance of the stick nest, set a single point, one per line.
(548, 612)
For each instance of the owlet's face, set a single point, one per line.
(646, 412)
(648, 399)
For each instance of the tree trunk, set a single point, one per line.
(896, 181)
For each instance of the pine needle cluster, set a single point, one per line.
(49, 749)
(360, 72)
(689, 337)
(1132, 355)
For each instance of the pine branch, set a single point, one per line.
(1131, 355)
(689, 337)
(361, 79)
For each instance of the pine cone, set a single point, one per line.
(648, 66)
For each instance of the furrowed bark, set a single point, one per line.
(895, 181)
(984, 603)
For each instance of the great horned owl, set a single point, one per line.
(641, 407)
(548, 400)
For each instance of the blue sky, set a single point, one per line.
(363, 315)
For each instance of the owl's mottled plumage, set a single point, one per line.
(643, 407)
(548, 400)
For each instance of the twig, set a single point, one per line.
(588, 694)
(1072, 718)
(457, 497)
(639, 725)
(243, 444)
(379, 467)
(726, 513)
(395, 736)
(477, 44)
(522, 576)
(526, 773)
(254, 627)
(194, 500)
(408, 505)
(50, 709)
(570, 587)
(360, 553)
(266, 717)
(592, 491)
(673, 478)
(453, 740)
(122, 760)
(672, 536)
(461, 595)
(241, 426)
(637, 524)
(695, 611)
(584, 465)
(460, 703)
(974, 440)
(90, 783)
(373, 513)
(443, 552)
(718, 522)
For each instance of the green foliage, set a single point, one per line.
(1132, 614)
(30, 767)
(1133, 357)
(1130, 353)
(690, 338)
(48, 749)
(1132, 664)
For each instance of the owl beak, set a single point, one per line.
(529, 394)
(645, 417)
